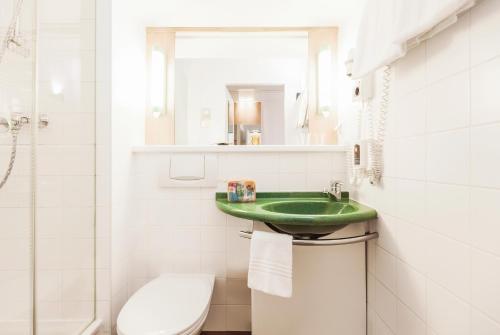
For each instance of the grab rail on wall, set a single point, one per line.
(325, 242)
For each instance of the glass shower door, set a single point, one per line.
(65, 171)
(47, 203)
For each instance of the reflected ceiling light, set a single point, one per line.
(158, 82)
(325, 75)
(56, 87)
(246, 96)
(205, 118)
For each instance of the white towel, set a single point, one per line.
(391, 27)
(270, 269)
(417, 18)
(375, 46)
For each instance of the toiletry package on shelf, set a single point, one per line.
(241, 191)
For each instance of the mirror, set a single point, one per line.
(262, 86)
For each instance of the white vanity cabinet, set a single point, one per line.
(329, 292)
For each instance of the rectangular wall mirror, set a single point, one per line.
(241, 86)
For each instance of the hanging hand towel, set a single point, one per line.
(270, 269)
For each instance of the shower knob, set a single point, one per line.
(43, 122)
(4, 125)
(19, 119)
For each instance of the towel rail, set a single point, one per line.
(325, 242)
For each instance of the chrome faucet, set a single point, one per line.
(335, 190)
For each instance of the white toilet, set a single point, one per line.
(172, 304)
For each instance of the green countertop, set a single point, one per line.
(297, 208)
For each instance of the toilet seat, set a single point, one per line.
(172, 304)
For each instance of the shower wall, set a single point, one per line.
(16, 95)
(58, 222)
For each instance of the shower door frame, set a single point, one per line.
(34, 129)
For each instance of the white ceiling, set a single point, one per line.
(223, 13)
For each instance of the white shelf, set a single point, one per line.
(234, 148)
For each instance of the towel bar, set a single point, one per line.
(325, 242)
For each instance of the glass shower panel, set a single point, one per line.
(66, 175)
(17, 96)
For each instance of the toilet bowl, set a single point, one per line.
(172, 304)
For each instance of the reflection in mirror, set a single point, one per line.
(242, 87)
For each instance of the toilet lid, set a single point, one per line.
(169, 304)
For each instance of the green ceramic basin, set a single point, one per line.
(302, 214)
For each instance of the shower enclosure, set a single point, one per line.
(47, 166)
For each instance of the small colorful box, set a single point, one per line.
(241, 191)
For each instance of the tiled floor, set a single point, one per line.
(226, 333)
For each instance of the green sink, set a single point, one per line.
(301, 214)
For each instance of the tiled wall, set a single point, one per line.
(16, 92)
(181, 230)
(435, 269)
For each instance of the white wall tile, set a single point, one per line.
(447, 208)
(408, 322)
(216, 319)
(386, 305)
(482, 324)
(292, 163)
(410, 157)
(485, 290)
(485, 18)
(381, 328)
(448, 52)
(484, 228)
(387, 227)
(449, 103)
(485, 160)
(211, 215)
(292, 181)
(213, 239)
(214, 263)
(16, 223)
(319, 162)
(78, 191)
(411, 110)
(484, 101)
(185, 239)
(238, 317)
(410, 71)
(446, 314)
(390, 158)
(186, 262)
(411, 289)
(77, 285)
(448, 157)
(187, 212)
(238, 292)
(411, 207)
(385, 268)
(449, 264)
(15, 287)
(411, 241)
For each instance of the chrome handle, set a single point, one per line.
(325, 242)
(4, 124)
(18, 120)
(335, 183)
(43, 122)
